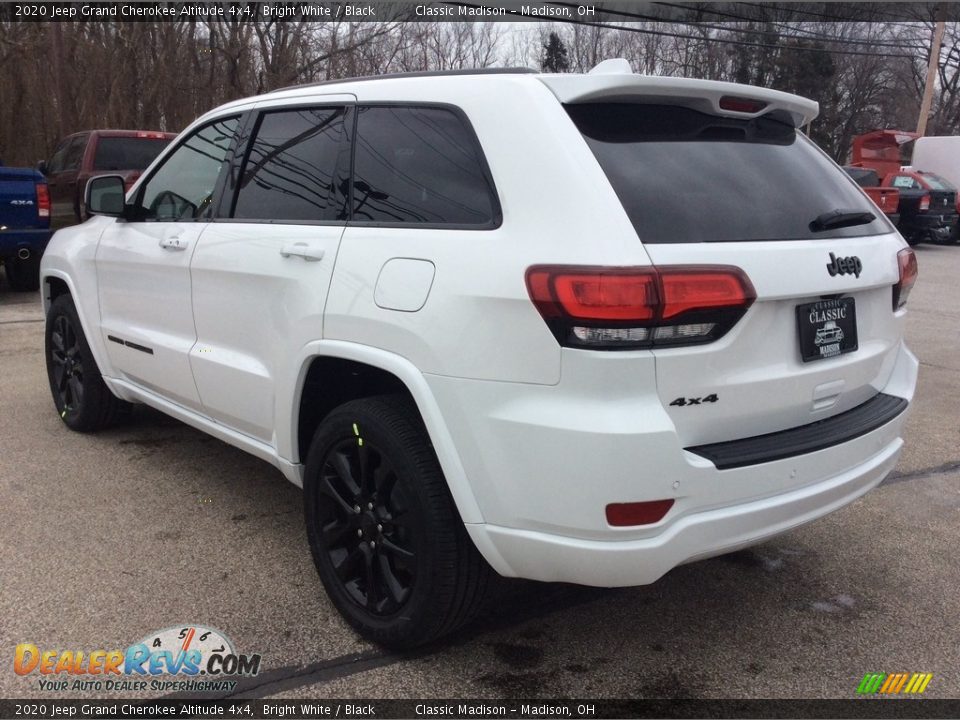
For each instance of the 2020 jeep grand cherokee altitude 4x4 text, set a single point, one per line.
(556, 327)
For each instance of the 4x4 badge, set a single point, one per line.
(844, 265)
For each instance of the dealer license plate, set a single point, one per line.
(827, 328)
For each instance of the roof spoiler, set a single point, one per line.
(611, 81)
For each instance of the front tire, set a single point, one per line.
(388, 543)
(83, 401)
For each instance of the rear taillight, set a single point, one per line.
(907, 260)
(924, 203)
(43, 200)
(613, 308)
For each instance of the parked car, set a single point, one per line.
(928, 206)
(920, 207)
(80, 156)
(24, 225)
(885, 198)
(558, 327)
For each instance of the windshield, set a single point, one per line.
(685, 176)
(127, 153)
(937, 183)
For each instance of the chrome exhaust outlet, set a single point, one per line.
(23, 253)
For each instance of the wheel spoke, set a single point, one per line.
(327, 488)
(334, 531)
(384, 479)
(348, 568)
(371, 584)
(341, 465)
(366, 475)
(398, 593)
(395, 550)
(76, 391)
(60, 377)
(56, 339)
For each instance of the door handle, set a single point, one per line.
(174, 243)
(303, 250)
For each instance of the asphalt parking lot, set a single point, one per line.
(106, 538)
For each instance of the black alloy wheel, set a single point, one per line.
(83, 401)
(369, 531)
(67, 359)
(384, 532)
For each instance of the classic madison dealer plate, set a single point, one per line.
(827, 328)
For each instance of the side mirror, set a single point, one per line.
(42, 167)
(105, 196)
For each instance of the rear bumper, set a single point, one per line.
(13, 239)
(543, 471)
(552, 558)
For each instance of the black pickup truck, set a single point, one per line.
(24, 225)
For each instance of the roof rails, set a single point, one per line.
(429, 73)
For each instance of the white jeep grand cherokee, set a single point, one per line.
(560, 327)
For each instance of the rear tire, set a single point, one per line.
(83, 401)
(23, 275)
(386, 537)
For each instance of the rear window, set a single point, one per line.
(685, 176)
(127, 153)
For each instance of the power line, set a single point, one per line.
(724, 41)
(812, 35)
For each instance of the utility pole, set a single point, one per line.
(932, 68)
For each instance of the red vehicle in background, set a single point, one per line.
(80, 156)
(885, 198)
(928, 204)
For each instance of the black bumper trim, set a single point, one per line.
(877, 411)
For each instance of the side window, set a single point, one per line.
(905, 181)
(290, 172)
(418, 165)
(182, 187)
(74, 154)
(56, 162)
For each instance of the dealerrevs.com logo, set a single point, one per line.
(183, 658)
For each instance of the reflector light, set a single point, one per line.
(907, 262)
(743, 105)
(43, 200)
(637, 513)
(925, 203)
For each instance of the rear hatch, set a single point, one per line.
(18, 198)
(706, 188)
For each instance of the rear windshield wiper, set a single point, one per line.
(841, 218)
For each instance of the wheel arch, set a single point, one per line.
(376, 372)
(53, 284)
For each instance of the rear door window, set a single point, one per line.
(290, 173)
(421, 166)
(685, 176)
(74, 154)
